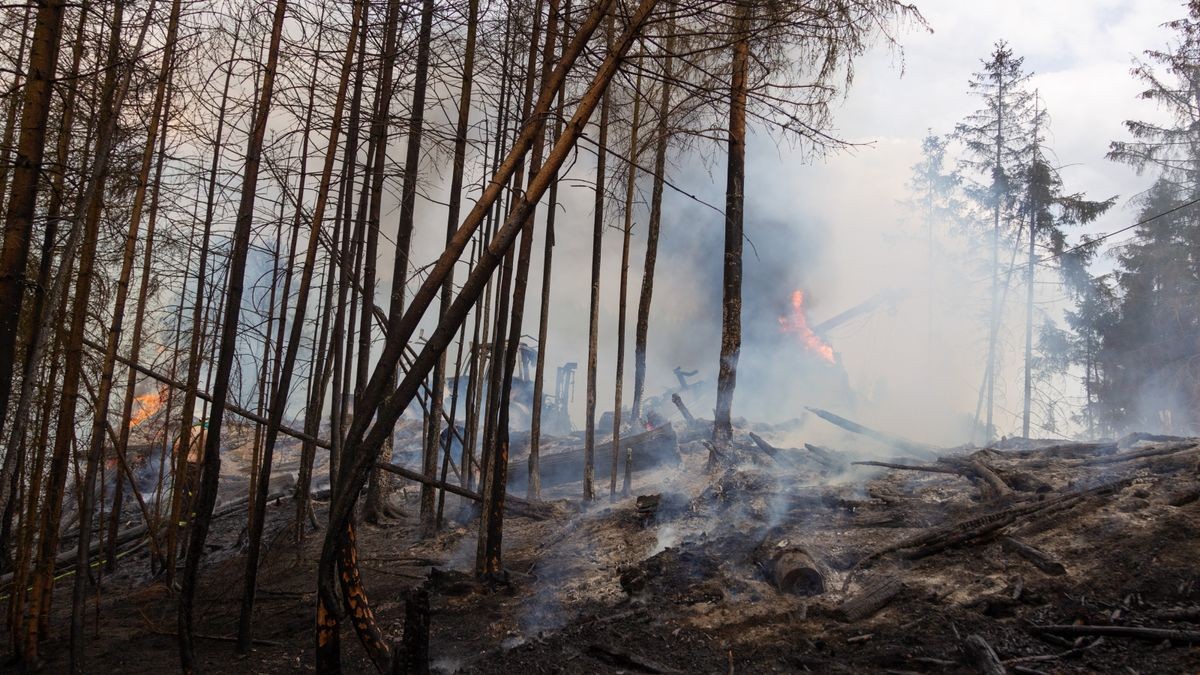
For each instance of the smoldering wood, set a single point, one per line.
(874, 597)
(983, 656)
(651, 450)
(922, 450)
(771, 451)
(1040, 559)
(832, 459)
(517, 506)
(683, 410)
(796, 570)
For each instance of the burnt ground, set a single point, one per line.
(691, 587)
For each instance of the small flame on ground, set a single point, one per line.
(145, 406)
(797, 324)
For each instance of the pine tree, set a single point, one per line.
(996, 140)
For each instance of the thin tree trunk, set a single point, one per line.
(491, 524)
(589, 438)
(653, 226)
(731, 305)
(188, 407)
(233, 300)
(138, 328)
(104, 389)
(622, 292)
(539, 377)
(453, 210)
(361, 449)
(45, 304)
(279, 395)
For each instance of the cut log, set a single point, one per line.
(874, 597)
(983, 657)
(650, 450)
(1042, 560)
(912, 447)
(794, 570)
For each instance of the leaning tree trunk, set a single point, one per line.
(18, 220)
(731, 305)
(104, 393)
(361, 448)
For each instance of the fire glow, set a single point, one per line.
(146, 405)
(797, 324)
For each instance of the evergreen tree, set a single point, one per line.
(996, 140)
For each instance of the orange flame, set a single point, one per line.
(797, 324)
(146, 405)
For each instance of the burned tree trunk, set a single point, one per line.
(361, 447)
(653, 226)
(589, 439)
(731, 312)
(18, 220)
(228, 346)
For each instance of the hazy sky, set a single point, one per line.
(845, 207)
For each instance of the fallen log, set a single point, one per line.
(873, 598)
(983, 657)
(910, 467)
(830, 458)
(649, 450)
(1188, 637)
(1040, 559)
(67, 558)
(517, 506)
(771, 451)
(683, 410)
(912, 447)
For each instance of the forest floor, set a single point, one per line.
(693, 586)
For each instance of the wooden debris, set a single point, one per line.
(874, 597)
(832, 459)
(683, 410)
(513, 504)
(898, 442)
(1188, 637)
(413, 654)
(983, 657)
(647, 506)
(910, 467)
(1042, 560)
(771, 451)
